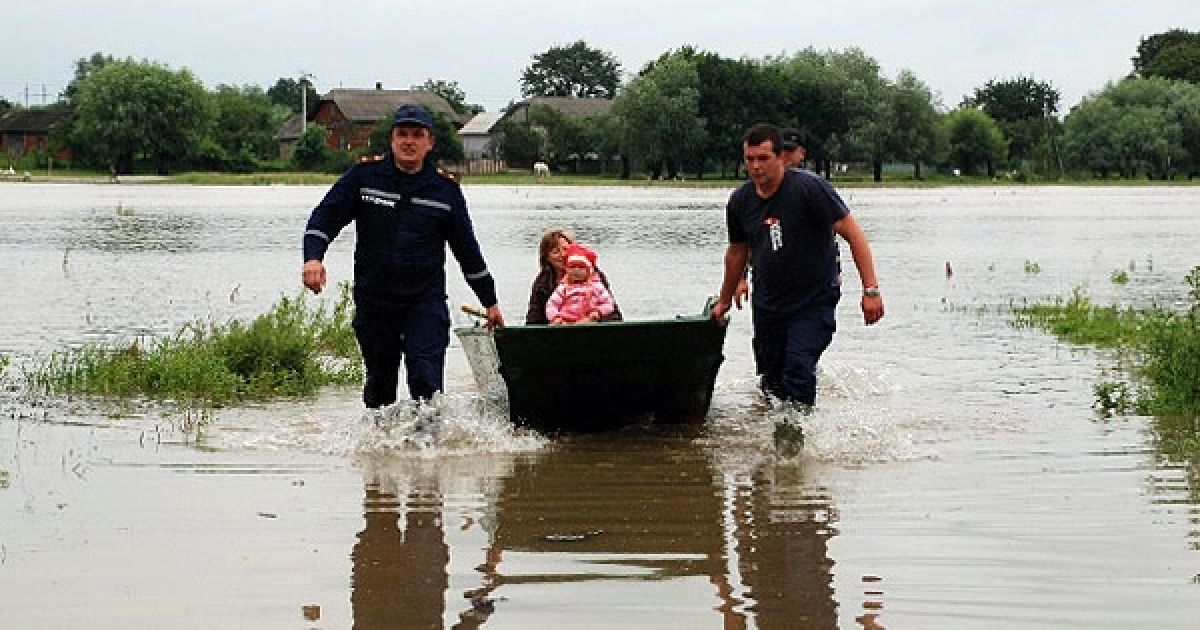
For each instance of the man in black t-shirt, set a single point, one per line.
(783, 223)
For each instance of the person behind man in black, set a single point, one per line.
(793, 151)
(783, 222)
(405, 210)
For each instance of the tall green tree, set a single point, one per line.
(1023, 107)
(311, 152)
(733, 93)
(84, 67)
(566, 139)
(129, 109)
(660, 115)
(287, 92)
(1170, 55)
(912, 137)
(575, 70)
(1181, 61)
(517, 143)
(1137, 126)
(866, 99)
(1184, 110)
(1090, 139)
(974, 140)
(246, 121)
(829, 93)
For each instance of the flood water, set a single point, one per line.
(954, 473)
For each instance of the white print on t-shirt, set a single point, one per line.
(776, 231)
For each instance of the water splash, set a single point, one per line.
(855, 422)
(339, 426)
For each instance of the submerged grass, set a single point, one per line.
(1160, 345)
(290, 350)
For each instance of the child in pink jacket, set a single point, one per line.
(581, 296)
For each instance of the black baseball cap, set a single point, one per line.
(412, 114)
(792, 139)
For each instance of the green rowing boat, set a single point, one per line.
(594, 377)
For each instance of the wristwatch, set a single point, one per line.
(870, 291)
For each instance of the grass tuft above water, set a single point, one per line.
(291, 350)
(1161, 345)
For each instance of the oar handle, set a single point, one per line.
(474, 311)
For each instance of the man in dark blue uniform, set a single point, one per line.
(783, 222)
(405, 211)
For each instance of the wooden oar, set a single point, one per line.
(474, 311)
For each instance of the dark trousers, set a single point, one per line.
(417, 333)
(787, 348)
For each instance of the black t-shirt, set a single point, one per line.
(792, 244)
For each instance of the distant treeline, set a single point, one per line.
(682, 114)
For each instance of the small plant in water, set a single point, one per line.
(289, 351)
(1162, 345)
(1032, 266)
(1113, 397)
(1120, 276)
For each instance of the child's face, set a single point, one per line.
(578, 273)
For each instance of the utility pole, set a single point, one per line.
(304, 83)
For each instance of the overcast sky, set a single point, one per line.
(952, 45)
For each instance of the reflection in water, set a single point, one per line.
(782, 530)
(399, 574)
(605, 510)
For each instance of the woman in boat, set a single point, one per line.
(552, 260)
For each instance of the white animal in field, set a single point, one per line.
(541, 169)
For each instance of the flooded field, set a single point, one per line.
(954, 473)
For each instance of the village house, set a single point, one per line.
(476, 135)
(349, 115)
(568, 106)
(25, 130)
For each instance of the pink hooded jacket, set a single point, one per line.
(574, 302)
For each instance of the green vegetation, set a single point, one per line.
(1119, 276)
(1174, 54)
(210, 178)
(975, 140)
(1032, 267)
(289, 351)
(683, 112)
(576, 70)
(1161, 345)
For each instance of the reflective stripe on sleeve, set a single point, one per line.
(318, 233)
(429, 203)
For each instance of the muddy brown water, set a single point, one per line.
(954, 474)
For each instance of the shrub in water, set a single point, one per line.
(291, 350)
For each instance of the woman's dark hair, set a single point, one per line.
(549, 242)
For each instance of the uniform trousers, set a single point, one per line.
(788, 346)
(418, 333)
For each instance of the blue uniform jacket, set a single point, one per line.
(404, 222)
